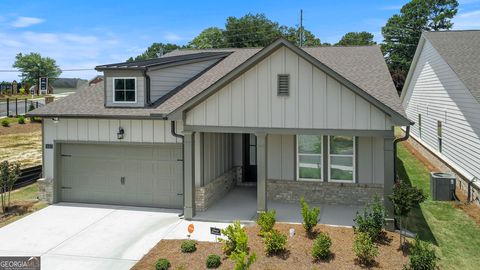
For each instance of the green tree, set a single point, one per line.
(292, 34)
(9, 173)
(251, 31)
(402, 32)
(211, 37)
(356, 39)
(33, 65)
(155, 50)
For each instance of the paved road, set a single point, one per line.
(21, 106)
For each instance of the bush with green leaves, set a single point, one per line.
(242, 260)
(21, 119)
(213, 261)
(364, 248)
(310, 216)
(188, 246)
(162, 264)
(321, 246)
(266, 221)
(422, 256)
(275, 242)
(5, 123)
(371, 220)
(237, 239)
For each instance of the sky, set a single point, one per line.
(82, 34)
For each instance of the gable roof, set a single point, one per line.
(362, 69)
(461, 51)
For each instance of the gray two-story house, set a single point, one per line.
(183, 130)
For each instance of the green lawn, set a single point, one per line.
(26, 195)
(455, 235)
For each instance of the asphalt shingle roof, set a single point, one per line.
(461, 51)
(363, 66)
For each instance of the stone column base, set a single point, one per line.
(45, 187)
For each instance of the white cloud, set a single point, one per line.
(80, 38)
(467, 20)
(26, 21)
(172, 37)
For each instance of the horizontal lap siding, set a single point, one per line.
(109, 75)
(437, 94)
(315, 101)
(104, 131)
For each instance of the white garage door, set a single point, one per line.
(118, 174)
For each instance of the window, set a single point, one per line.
(124, 90)
(309, 157)
(283, 85)
(420, 125)
(341, 158)
(439, 135)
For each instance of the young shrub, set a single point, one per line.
(239, 259)
(266, 221)
(275, 242)
(237, 238)
(21, 119)
(364, 248)
(213, 261)
(321, 247)
(31, 107)
(422, 256)
(310, 216)
(188, 246)
(162, 264)
(371, 220)
(5, 123)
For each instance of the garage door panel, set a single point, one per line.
(93, 173)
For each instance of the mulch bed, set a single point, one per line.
(16, 128)
(296, 257)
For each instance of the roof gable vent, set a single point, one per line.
(283, 85)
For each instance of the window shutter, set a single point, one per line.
(283, 85)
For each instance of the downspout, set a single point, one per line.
(395, 143)
(148, 100)
(176, 135)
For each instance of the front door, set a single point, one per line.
(250, 157)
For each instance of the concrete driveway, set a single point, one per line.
(82, 236)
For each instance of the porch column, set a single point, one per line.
(261, 172)
(389, 179)
(188, 175)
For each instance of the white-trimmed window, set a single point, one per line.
(341, 158)
(309, 157)
(124, 90)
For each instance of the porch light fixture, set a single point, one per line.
(55, 120)
(120, 133)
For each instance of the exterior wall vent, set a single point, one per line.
(283, 85)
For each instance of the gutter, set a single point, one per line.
(147, 87)
(176, 135)
(395, 143)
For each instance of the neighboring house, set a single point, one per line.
(66, 85)
(442, 94)
(95, 80)
(314, 122)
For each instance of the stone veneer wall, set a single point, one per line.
(45, 187)
(462, 182)
(216, 189)
(323, 192)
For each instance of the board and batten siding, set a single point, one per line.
(140, 86)
(103, 131)
(163, 80)
(437, 93)
(217, 157)
(316, 100)
(281, 158)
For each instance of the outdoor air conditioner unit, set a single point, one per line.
(442, 186)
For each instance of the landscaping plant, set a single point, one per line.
(266, 221)
(31, 108)
(404, 198)
(188, 246)
(422, 256)
(239, 259)
(310, 216)
(213, 261)
(321, 246)
(364, 248)
(275, 242)
(21, 119)
(237, 238)
(162, 264)
(371, 220)
(5, 123)
(9, 173)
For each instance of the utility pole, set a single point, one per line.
(301, 28)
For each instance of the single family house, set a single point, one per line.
(182, 130)
(442, 94)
